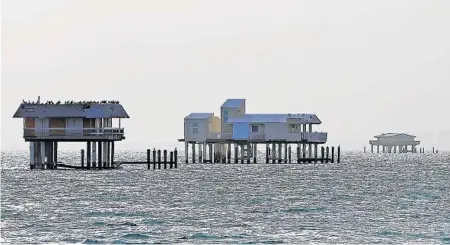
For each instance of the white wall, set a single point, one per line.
(202, 129)
(397, 140)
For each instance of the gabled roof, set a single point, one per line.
(71, 110)
(197, 115)
(393, 135)
(274, 118)
(233, 103)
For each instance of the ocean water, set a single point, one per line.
(367, 198)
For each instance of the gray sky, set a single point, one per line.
(364, 67)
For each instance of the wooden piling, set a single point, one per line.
(148, 159)
(99, 160)
(229, 153)
(280, 156)
(171, 160)
(255, 152)
(82, 158)
(328, 154)
(289, 156)
(298, 153)
(315, 153)
(112, 154)
(339, 154)
(154, 158)
(332, 154)
(88, 155)
(165, 159)
(236, 152)
(56, 154)
(248, 153)
(285, 153)
(322, 154)
(175, 160)
(242, 153)
(193, 152)
(159, 159)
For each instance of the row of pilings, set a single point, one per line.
(248, 153)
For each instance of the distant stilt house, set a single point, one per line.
(246, 131)
(47, 124)
(394, 142)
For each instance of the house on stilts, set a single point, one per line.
(241, 132)
(47, 124)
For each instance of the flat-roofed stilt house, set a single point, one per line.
(47, 124)
(391, 142)
(246, 131)
(198, 128)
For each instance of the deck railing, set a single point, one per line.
(213, 135)
(257, 136)
(315, 137)
(226, 136)
(75, 132)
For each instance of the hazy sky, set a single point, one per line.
(364, 67)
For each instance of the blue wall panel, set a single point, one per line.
(241, 131)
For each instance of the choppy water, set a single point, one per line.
(367, 198)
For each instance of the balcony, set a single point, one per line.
(73, 134)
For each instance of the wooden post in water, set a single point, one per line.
(332, 154)
(154, 158)
(248, 153)
(289, 156)
(229, 153)
(236, 152)
(171, 160)
(82, 158)
(328, 156)
(112, 154)
(99, 160)
(242, 153)
(322, 151)
(255, 152)
(165, 159)
(298, 153)
(148, 159)
(175, 155)
(285, 153)
(339, 154)
(159, 159)
(193, 152)
(267, 153)
(88, 155)
(280, 156)
(56, 154)
(315, 153)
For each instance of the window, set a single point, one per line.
(195, 128)
(295, 128)
(254, 128)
